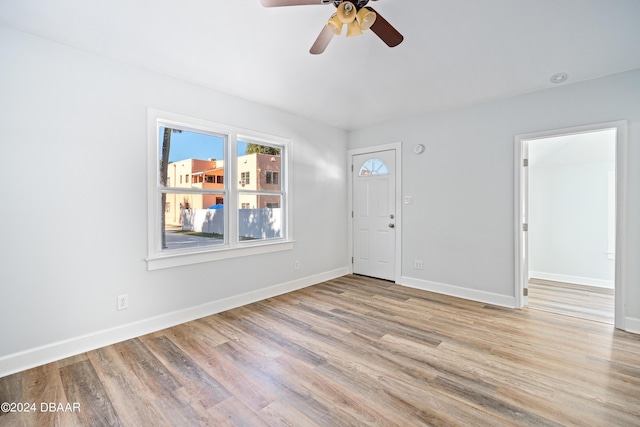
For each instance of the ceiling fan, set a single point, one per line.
(355, 14)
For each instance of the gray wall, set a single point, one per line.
(74, 134)
(462, 221)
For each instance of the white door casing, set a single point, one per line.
(374, 214)
(524, 223)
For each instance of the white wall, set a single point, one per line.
(568, 212)
(74, 135)
(461, 222)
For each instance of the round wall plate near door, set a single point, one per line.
(418, 148)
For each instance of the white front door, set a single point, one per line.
(374, 214)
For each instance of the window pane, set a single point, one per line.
(192, 220)
(373, 167)
(259, 167)
(190, 160)
(259, 216)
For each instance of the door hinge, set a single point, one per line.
(525, 162)
(525, 292)
(351, 168)
(351, 214)
(351, 260)
(525, 227)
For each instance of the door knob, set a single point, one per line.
(392, 225)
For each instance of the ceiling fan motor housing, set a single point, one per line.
(359, 4)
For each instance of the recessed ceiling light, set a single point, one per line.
(559, 78)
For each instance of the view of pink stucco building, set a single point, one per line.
(256, 172)
(192, 173)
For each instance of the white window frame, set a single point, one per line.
(157, 258)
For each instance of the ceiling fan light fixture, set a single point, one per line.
(365, 18)
(335, 25)
(355, 14)
(346, 12)
(353, 29)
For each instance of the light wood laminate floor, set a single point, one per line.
(348, 352)
(586, 302)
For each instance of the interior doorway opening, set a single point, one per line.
(569, 232)
(572, 224)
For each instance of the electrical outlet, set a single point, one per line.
(123, 302)
(417, 264)
(296, 265)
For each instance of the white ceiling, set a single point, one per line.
(455, 52)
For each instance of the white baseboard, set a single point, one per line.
(631, 324)
(588, 281)
(456, 291)
(59, 350)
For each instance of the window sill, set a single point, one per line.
(169, 260)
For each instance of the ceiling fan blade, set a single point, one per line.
(385, 31)
(278, 3)
(322, 41)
